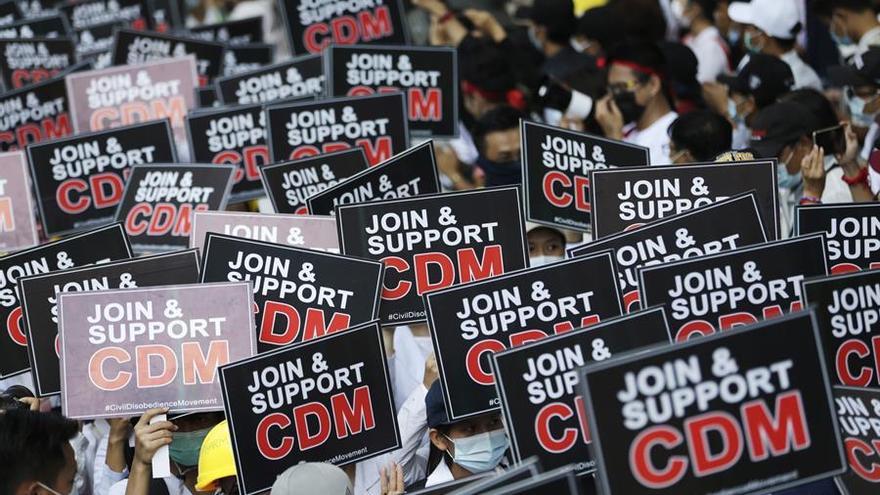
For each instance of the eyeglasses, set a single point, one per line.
(623, 87)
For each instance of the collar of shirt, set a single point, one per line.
(440, 474)
(869, 39)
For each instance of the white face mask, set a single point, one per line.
(480, 453)
(544, 260)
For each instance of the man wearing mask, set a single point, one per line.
(854, 26)
(703, 38)
(638, 106)
(36, 457)
(496, 136)
(551, 26)
(771, 28)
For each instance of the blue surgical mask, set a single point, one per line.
(785, 179)
(480, 453)
(731, 110)
(733, 36)
(749, 42)
(185, 447)
(841, 40)
(856, 105)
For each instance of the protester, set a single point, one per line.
(853, 25)
(703, 37)
(35, 453)
(496, 135)
(699, 136)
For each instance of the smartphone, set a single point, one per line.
(831, 139)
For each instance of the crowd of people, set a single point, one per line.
(690, 80)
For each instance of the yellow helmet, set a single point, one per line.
(215, 458)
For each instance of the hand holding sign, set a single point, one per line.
(149, 438)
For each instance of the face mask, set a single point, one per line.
(841, 40)
(629, 108)
(480, 453)
(49, 489)
(185, 447)
(544, 260)
(785, 179)
(580, 46)
(533, 38)
(500, 173)
(733, 36)
(750, 44)
(731, 110)
(856, 106)
(678, 12)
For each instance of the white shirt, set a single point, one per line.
(711, 52)
(440, 474)
(836, 190)
(655, 137)
(869, 39)
(804, 75)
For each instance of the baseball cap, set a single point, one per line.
(778, 18)
(764, 77)
(863, 70)
(779, 125)
(435, 408)
(312, 477)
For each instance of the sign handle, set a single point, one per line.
(161, 460)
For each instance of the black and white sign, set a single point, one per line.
(34, 113)
(852, 232)
(313, 26)
(136, 47)
(24, 61)
(296, 78)
(234, 33)
(50, 26)
(858, 412)
(246, 58)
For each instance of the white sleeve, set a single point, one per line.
(104, 477)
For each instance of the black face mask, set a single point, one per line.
(500, 173)
(629, 108)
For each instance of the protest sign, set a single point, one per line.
(432, 242)
(159, 201)
(290, 184)
(126, 351)
(206, 98)
(847, 310)
(556, 171)
(303, 231)
(24, 61)
(9, 12)
(299, 294)
(39, 299)
(18, 222)
(234, 135)
(100, 245)
(851, 230)
(165, 15)
(84, 14)
(125, 95)
(79, 180)
(560, 481)
(325, 400)
(726, 225)
(133, 47)
(858, 412)
(34, 113)
(428, 76)
(299, 77)
(239, 59)
(718, 292)
(453, 486)
(38, 9)
(524, 470)
(311, 26)
(49, 26)
(537, 384)
(95, 44)
(714, 416)
(375, 123)
(469, 322)
(404, 175)
(626, 198)
(234, 33)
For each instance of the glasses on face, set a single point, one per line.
(623, 87)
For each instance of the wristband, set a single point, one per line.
(862, 177)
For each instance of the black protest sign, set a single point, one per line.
(726, 225)
(84, 14)
(537, 383)
(206, 97)
(432, 242)
(299, 77)
(721, 291)
(714, 416)
(405, 175)
(233, 135)
(848, 314)
(428, 76)
(311, 26)
(858, 412)
(165, 15)
(627, 198)
(556, 171)
(51, 26)
(523, 470)
(290, 184)
(300, 294)
(852, 232)
(469, 322)
(375, 123)
(100, 245)
(560, 481)
(95, 43)
(136, 47)
(79, 180)
(246, 58)
(454, 486)
(24, 61)
(9, 12)
(325, 400)
(39, 298)
(38, 9)
(159, 201)
(34, 113)
(234, 33)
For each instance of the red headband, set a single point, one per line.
(512, 97)
(638, 68)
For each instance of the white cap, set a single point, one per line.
(777, 18)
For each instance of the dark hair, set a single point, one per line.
(601, 24)
(643, 19)
(436, 455)
(32, 447)
(500, 118)
(816, 103)
(482, 63)
(708, 7)
(557, 17)
(649, 57)
(852, 5)
(703, 133)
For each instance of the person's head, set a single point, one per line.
(771, 26)
(699, 136)
(598, 29)
(850, 20)
(216, 462)
(551, 24)
(35, 453)
(640, 19)
(819, 107)
(187, 442)
(687, 11)
(783, 131)
(310, 478)
(682, 69)
(487, 79)
(473, 445)
(757, 85)
(861, 83)
(637, 79)
(546, 244)
(496, 136)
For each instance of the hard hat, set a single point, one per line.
(215, 458)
